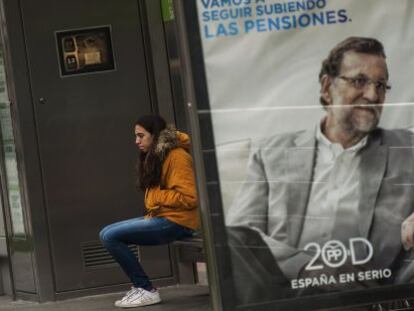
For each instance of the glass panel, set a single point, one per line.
(315, 154)
(2, 226)
(12, 178)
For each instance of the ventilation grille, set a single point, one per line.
(95, 255)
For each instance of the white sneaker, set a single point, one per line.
(139, 298)
(128, 293)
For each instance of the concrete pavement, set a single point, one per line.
(174, 298)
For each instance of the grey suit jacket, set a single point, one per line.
(282, 167)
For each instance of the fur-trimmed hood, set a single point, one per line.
(170, 139)
(175, 196)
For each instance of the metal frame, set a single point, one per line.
(57, 32)
(26, 139)
(157, 59)
(175, 71)
(196, 98)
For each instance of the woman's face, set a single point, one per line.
(143, 138)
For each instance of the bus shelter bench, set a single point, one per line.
(187, 252)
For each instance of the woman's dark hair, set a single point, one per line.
(149, 165)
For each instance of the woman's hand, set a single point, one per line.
(153, 210)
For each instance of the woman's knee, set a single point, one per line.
(122, 231)
(105, 234)
(102, 235)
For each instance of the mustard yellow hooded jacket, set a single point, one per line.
(176, 198)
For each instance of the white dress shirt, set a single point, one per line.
(332, 210)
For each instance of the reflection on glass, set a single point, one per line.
(9, 153)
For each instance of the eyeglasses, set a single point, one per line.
(361, 82)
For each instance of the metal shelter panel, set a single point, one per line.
(84, 127)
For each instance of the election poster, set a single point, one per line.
(311, 107)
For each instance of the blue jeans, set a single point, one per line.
(140, 231)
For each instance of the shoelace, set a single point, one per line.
(137, 294)
(132, 291)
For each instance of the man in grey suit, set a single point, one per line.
(331, 200)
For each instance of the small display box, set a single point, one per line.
(85, 50)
